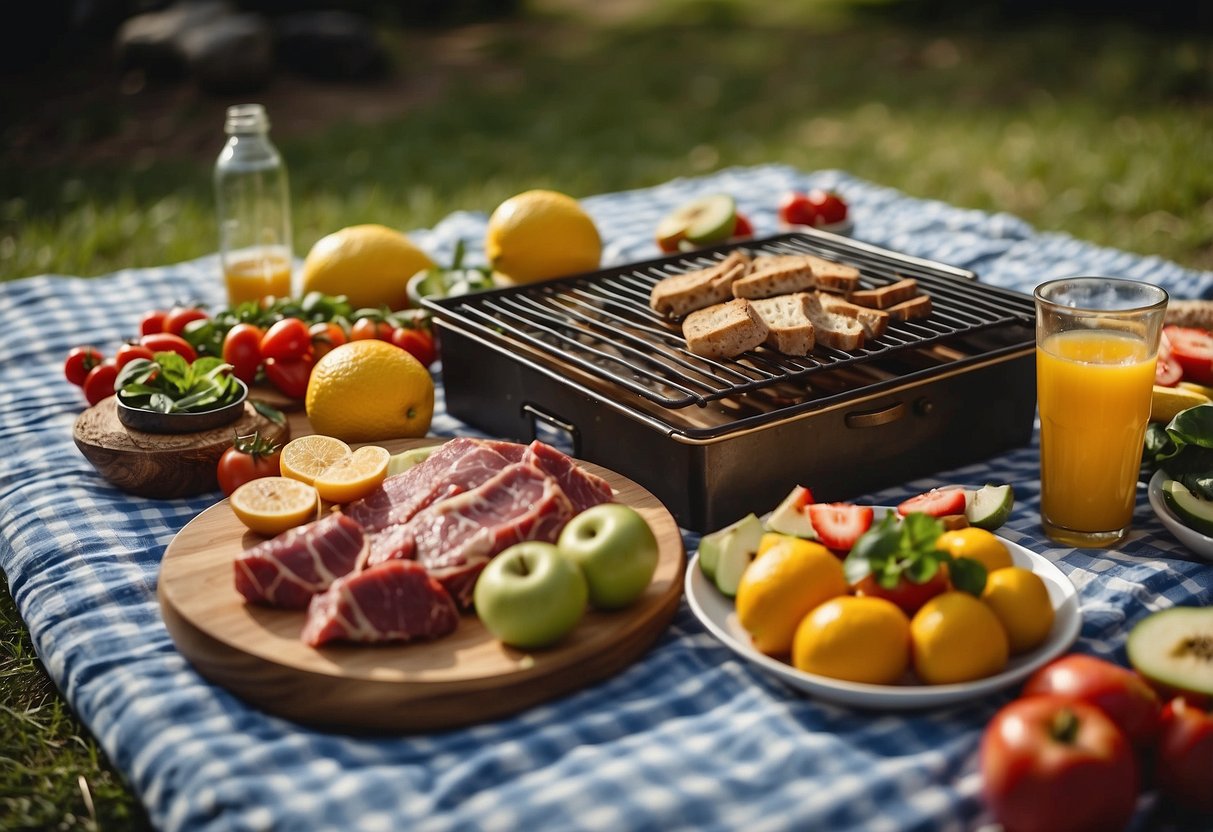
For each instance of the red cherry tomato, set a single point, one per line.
(129, 352)
(828, 205)
(179, 316)
(1167, 371)
(249, 458)
(290, 375)
(742, 227)
(1185, 755)
(417, 342)
(1051, 764)
(326, 336)
(1120, 693)
(99, 384)
(242, 349)
(938, 502)
(796, 209)
(152, 322)
(368, 329)
(907, 594)
(168, 342)
(80, 361)
(287, 340)
(1192, 348)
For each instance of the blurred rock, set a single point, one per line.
(230, 54)
(329, 45)
(152, 42)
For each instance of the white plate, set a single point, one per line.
(1199, 544)
(718, 614)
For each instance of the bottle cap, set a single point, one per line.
(246, 118)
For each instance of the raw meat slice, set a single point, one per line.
(455, 538)
(581, 487)
(397, 601)
(292, 567)
(458, 465)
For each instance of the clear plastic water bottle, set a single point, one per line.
(253, 200)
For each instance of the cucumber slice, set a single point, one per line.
(724, 554)
(1196, 513)
(990, 506)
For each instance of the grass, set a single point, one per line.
(1097, 128)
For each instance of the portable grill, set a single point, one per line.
(584, 359)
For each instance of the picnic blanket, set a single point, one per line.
(688, 737)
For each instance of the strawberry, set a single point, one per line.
(839, 525)
(938, 502)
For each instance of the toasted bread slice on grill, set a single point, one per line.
(679, 294)
(724, 330)
(779, 278)
(916, 307)
(833, 329)
(827, 275)
(883, 297)
(873, 321)
(789, 329)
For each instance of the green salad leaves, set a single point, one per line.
(1184, 449)
(170, 384)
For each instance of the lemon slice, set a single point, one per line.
(271, 505)
(1168, 401)
(354, 476)
(304, 458)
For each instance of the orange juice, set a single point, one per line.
(1094, 389)
(252, 274)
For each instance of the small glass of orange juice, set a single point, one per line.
(1096, 344)
(256, 273)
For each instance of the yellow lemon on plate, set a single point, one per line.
(369, 264)
(271, 505)
(1020, 599)
(956, 638)
(354, 476)
(539, 235)
(304, 457)
(977, 544)
(854, 639)
(365, 391)
(781, 586)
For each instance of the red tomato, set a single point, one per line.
(417, 342)
(129, 352)
(1050, 763)
(287, 340)
(290, 376)
(1120, 693)
(99, 383)
(839, 525)
(152, 322)
(938, 502)
(907, 594)
(1167, 371)
(829, 206)
(167, 342)
(1185, 755)
(796, 209)
(742, 227)
(325, 337)
(249, 458)
(242, 349)
(80, 361)
(1192, 348)
(368, 329)
(179, 316)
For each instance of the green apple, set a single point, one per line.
(708, 219)
(530, 596)
(615, 549)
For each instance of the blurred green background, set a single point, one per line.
(1096, 123)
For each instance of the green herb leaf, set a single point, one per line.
(967, 575)
(272, 413)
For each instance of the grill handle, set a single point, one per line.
(537, 416)
(875, 418)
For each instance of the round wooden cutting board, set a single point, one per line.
(466, 677)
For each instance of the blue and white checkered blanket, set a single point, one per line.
(688, 737)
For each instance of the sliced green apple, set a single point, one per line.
(989, 506)
(1173, 650)
(790, 516)
(708, 219)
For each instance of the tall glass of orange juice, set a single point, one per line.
(255, 273)
(1096, 343)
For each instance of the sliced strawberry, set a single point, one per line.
(839, 525)
(1167, 371)
(1192, 348)
(938, 502)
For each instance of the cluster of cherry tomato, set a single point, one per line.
(816, 208)
(89, 369)
(1075, 749)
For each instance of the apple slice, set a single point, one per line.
(708, 219)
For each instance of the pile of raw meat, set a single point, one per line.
(400, 564)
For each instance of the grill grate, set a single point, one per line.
(601, 323)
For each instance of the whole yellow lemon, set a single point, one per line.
(369, 264)
(539, 235)
(370, 390)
